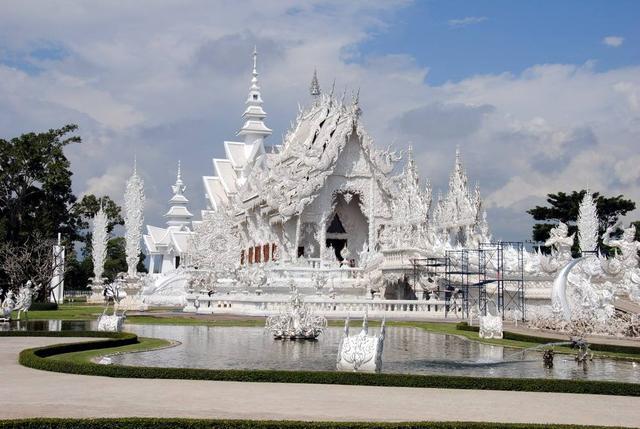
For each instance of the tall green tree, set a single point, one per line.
(563, 207)
(35, 186)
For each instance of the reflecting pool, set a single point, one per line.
(406, 350)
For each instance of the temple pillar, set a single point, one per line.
(152, 263)
(372, 223)
(322, 237)
(294, 253)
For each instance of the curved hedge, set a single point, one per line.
(168, 423)
(37, 358)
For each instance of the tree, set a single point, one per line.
(35, 193)
(35, 186)
(34, 260)
(564, 207)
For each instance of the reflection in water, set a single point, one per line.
(406, 350)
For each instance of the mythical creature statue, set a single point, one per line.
(560, 241)
(628, 260)
(7, 306)
(21, 302)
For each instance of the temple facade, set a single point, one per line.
(325, 198)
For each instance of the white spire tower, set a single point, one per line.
(178, 214)
(254, 129)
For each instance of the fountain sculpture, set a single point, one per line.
(112, 322)
(297, 321)
(490, 325)
(361, 352)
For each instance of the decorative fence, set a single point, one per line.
(338, 308)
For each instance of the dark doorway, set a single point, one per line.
(338, 244)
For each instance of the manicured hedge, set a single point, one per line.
(43, 306)
(36, 358)
(149, 423)
(464, 326)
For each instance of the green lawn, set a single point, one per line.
(144, 344)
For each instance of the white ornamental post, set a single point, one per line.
(134, 217)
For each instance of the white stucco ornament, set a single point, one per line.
(361, 352)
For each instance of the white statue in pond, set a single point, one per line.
(491, 325)
(361, 352)
(113, 322)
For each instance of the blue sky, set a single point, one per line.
(540, 96)
(509, 36)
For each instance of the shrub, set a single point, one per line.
(43, 306)
(170, 423)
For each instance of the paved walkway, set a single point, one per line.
(27, 392)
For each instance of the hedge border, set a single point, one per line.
(599, 347)
(37, 358)
(170, 423)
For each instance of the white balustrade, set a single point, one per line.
(250, 305)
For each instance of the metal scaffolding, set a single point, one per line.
(470, 272)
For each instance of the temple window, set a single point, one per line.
(177, 261)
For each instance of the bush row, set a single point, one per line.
(151, 423)
(36, 358)
(611, 348)
(43, 306)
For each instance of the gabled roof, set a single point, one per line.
(227, 175)
(294, 176)
(236, 153)
(215, 192)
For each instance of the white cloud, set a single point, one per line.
(613, 41)
(167, 81)
(467, 20)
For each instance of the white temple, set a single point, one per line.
(324, 198)
(351, 227)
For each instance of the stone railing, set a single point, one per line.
(339, 308)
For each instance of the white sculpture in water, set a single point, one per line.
(491, 325)
(361, 352)
(297, 321)
(133, 219)
(113, 322)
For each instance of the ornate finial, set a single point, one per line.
(255, 60)
(179, 175)
(315, 86)
(135, 164)
(356, 103)
(333, 88)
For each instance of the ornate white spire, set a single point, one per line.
(254, 128)
(588, 223)
(99, 241)
(133, 219)
(314, 89)
(178, 214)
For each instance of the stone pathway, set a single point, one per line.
(27, 392)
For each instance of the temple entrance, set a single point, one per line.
(337, 244)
